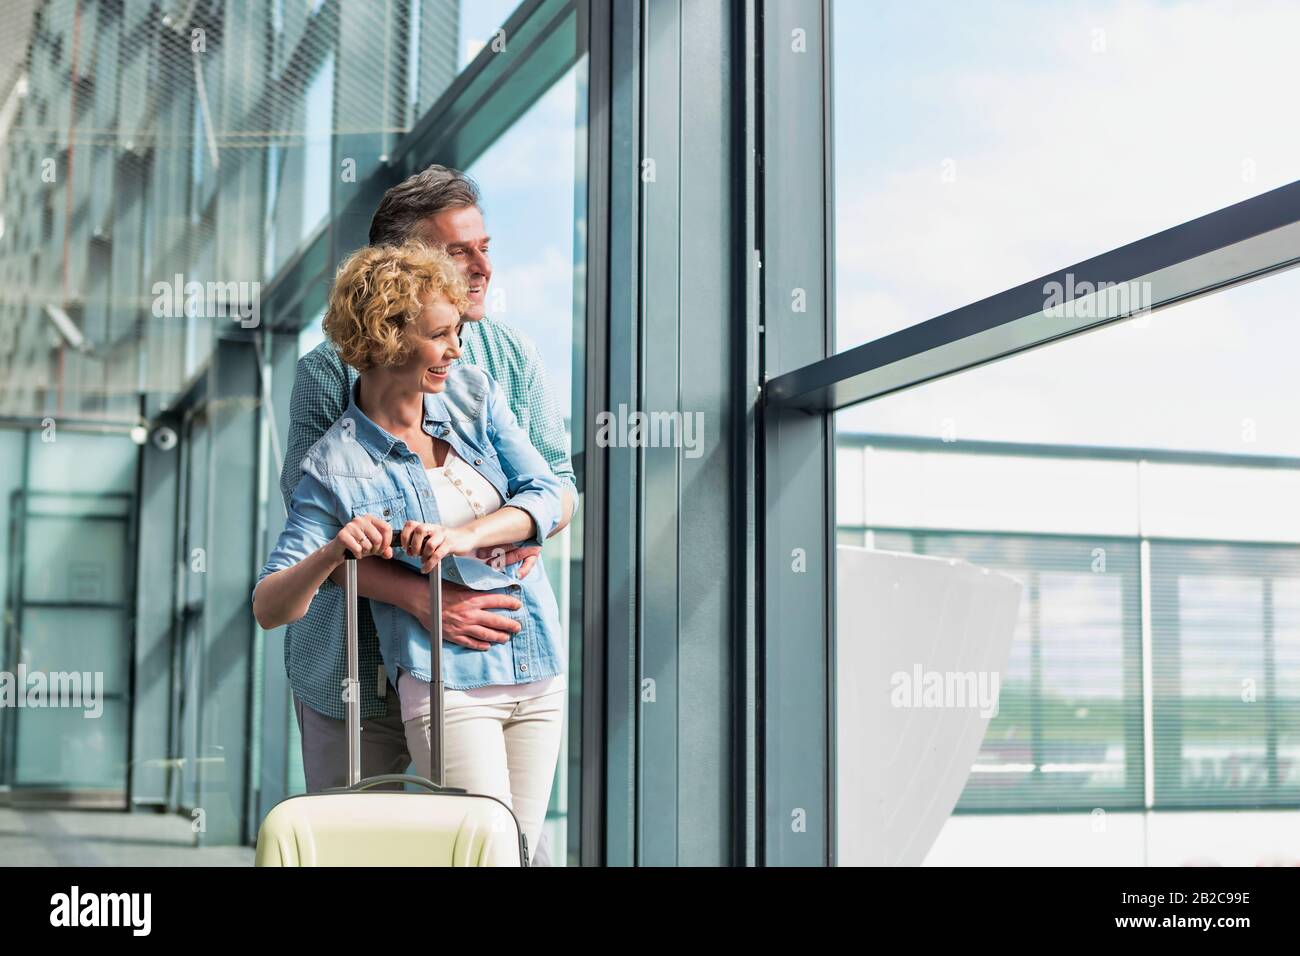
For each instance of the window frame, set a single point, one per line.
(1239, 243)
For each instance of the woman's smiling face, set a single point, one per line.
(436, 336)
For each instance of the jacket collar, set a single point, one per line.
(379, 442)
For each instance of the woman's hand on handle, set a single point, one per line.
(284, 595)
(364, 536)
(433, 542)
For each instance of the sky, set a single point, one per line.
(978, 147)
(528, 178)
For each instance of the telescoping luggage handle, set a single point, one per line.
(437, 769)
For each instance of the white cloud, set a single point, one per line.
(1062, 153)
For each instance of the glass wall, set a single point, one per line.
(533, 184)
(970, 158)
(1134, 485)
(1075, 566)
(69, 579)
(178, 185)
(204, 150)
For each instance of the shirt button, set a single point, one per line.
(478, 461)
(523, 667)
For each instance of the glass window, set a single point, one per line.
(970, 159)
(1198, 377)
(413, 62)
(318, 161)
(299, 169)
(531, 187)
(1136, 483)
(432, 63)
(1223, 703)
(204, 198)
(69, 604)
(480, 23)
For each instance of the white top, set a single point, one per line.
(462, 495)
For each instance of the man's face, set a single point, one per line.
(462, 233)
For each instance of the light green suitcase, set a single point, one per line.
(357, 825)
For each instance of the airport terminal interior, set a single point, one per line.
(819, 231)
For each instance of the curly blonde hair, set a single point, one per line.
(376, 297)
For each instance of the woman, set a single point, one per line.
(432, 449)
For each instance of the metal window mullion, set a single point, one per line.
(1270, 684)
(796, 654)
(658, 558)
(616, 81)
(1248, 240)
(1148, 679)
(594, 475)
(746, 408)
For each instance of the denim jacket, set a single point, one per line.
(358, 468)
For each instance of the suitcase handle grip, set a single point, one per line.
(384, 778)
(352, 695)
(395, 543)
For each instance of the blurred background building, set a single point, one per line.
(222, 144)
(1140, 480)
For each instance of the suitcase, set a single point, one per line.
(357, 825)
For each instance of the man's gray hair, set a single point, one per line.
(418, 197)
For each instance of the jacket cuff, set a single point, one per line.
(539, 509)
(572, 485)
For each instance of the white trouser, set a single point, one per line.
(507, 751)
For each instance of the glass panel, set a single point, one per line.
(1286, 653)
(85, 641)
(1220, 623)
(193, 190)
(480, 24)
(76, 560)
(69, 604)
(194, 545)
(527, 178)
(63, 748)
(1224, 699)
(969, 160)
(1147, 521)
(185, 180)
(530, 187)
(300, 171)
(188, 704)
(312, 335)
(62, 460)
(1138, 384)
(1088, 749)
(79, 506)
(12, 444)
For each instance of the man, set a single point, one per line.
(439, 206)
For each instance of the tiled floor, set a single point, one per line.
(106, 838)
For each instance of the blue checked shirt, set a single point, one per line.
(314, 655)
